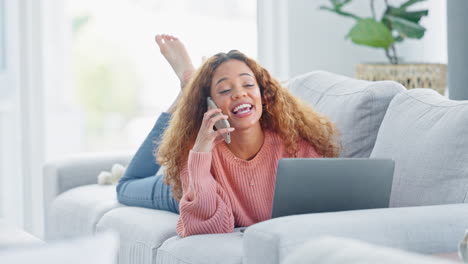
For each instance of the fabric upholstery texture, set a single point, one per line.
(200, 249)
(77, 211)
(427, 136)
(142, 231)
(420, 229)
(337, 250)
(357, 107)
(68, 173)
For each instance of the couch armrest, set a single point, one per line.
(424, 229)
(332, 250)
(62, 175)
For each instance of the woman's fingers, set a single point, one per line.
(210, 113)
(225, 131)
(208, 137)
(219, 134)
(218, 139)
(215, 119)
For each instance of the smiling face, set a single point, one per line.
(236, 92)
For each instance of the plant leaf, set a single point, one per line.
(338, 4)
(339, 12)
(413, 16)
(405, 27)
(398, 38)
(372, 33)
(409, 3)
(335, 2)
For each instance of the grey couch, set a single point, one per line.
(336, 250)
(425, 133)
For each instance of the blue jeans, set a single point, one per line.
(143, 184)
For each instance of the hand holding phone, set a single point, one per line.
(207, 137)
(223, 123)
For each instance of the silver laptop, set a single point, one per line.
(331, 184)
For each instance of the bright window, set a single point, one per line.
(120, 80)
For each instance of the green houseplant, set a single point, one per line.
(396, 24)
(393, 26)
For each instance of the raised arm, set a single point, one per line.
(205, 207)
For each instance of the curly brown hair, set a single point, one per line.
(283, 113)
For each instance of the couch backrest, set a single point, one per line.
(356, 106)
(427, 136)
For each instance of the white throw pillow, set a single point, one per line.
(99, 249)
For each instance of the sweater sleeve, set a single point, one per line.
(205, 207)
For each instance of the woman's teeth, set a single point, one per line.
(242, 108)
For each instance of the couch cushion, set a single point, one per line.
(142, 231)
(424, 229)
(427, 136)
(77, 211)
(357, 107)
(332, 250)
(212, 248)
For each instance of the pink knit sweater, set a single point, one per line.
(222, 191)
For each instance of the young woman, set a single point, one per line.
(215, 185)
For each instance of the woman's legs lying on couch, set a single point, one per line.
(141, 185)
(143, 182)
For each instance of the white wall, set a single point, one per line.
(273, 41)
(317, 37)
(433, 46)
